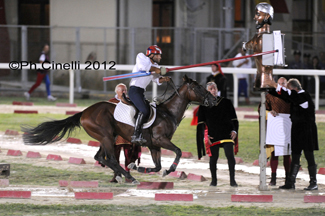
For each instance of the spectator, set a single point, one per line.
(242, 78)
(306, 64)
(42, 75)
(307, 80)
(296, 63)
(322, 60)
(219, 78)
(317, 65)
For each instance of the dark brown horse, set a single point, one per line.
(98, 121)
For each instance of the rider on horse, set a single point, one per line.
(148, 62)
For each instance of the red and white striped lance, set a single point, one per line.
(143, 73)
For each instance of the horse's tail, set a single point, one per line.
(51, 131)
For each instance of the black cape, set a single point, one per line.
(304, 130)
(220, 119)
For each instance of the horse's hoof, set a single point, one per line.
(164, 173)
(119, 179)
(135, 182)
(132, 166)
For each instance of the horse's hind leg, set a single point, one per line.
(156, 157)
(109, 160)
(100, 155)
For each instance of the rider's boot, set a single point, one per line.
(137, 135)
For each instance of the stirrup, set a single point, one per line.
(138, 140)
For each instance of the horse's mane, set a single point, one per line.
(171, 96)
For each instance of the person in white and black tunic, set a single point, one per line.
(303, 132)
(222, 124)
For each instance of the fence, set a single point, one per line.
(234, 72)
(202, 70)
(181, 46)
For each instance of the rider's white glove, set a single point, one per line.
(163, 71)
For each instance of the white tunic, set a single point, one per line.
(247, 65)
(143, 63)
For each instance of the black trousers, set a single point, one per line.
(229, 152)
(309, 155)
(136, 95)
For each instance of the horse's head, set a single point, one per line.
(197, 92)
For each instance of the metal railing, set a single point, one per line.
(226, 70)
(234, 72)
(181, 46)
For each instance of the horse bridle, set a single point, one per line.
(205, 96)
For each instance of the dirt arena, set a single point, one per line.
(247, 177)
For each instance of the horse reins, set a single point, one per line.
(205, 96)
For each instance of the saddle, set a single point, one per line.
(125, 112)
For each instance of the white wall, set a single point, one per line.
(99, 13)
(65, 15)
(139, 13)
(194, 13)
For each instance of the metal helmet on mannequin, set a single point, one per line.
(265, 8)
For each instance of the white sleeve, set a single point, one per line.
(42, 58)
(155, 78)
(143, 62)
(278, 88)
(157, 81)
(237, 62)
(249, 64)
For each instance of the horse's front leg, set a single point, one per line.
(170, 146)
(156, 158)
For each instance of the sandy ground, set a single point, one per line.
(247, 177)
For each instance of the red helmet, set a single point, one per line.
(154, 49)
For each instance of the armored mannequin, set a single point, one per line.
(263, 16)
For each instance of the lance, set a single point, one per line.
(144, 73)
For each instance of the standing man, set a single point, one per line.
(131, 153)
(147, 63)
(222, 128)
(219, 78)
(277, 106)
(42, 75)
(303, 131)
(242, 78)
